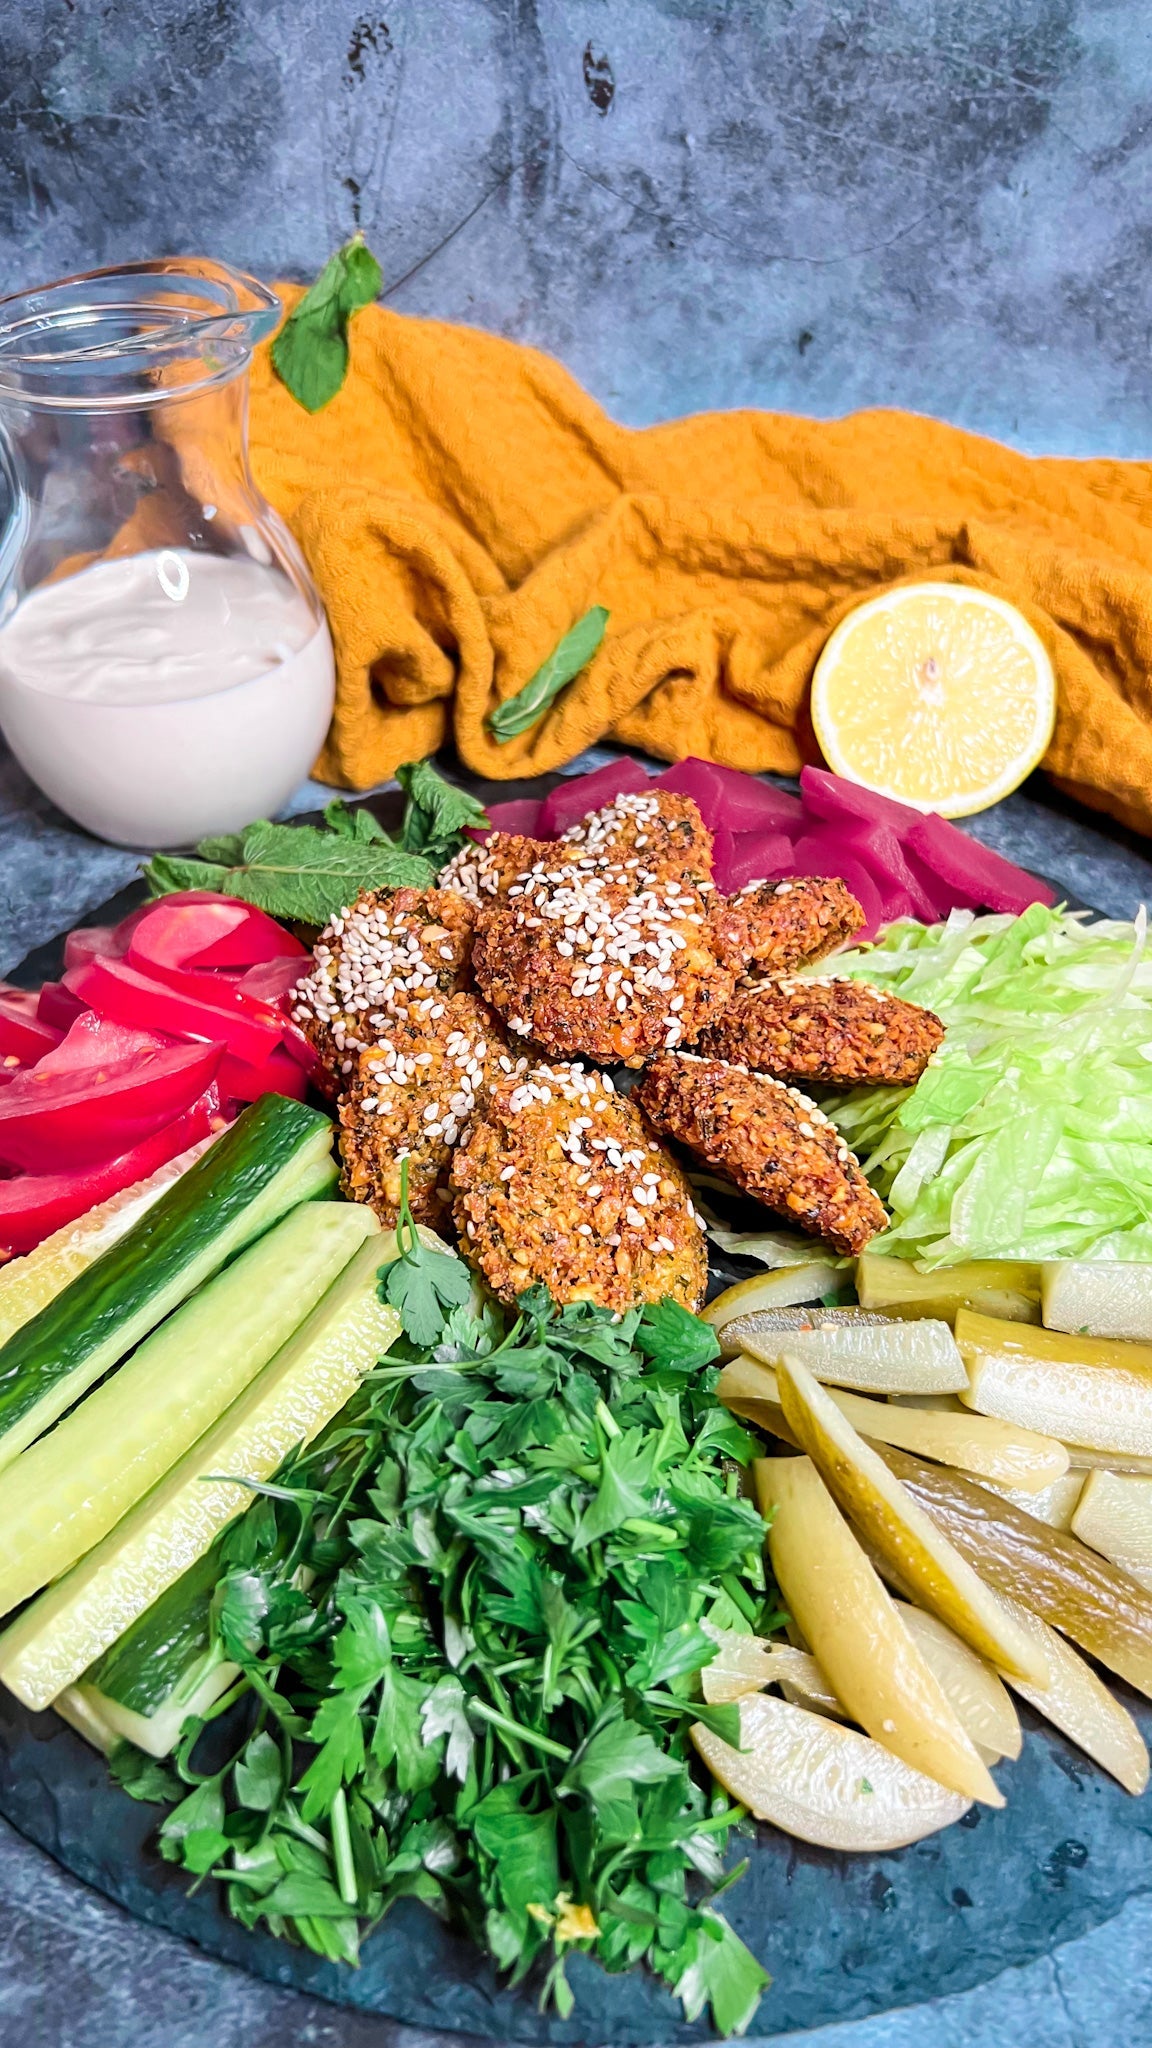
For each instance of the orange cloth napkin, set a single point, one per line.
(462, 502)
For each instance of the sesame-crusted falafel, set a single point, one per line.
(767, 1138)
(654, 831)
(392, 952)
(772, 927)
(409, 1097)
(839, 1034)
(560, 1182)
(480, 872)
(601, 962)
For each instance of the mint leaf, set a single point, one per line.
(562, 666)
(349, 824)
(310, 353)
(301, 873)
(436, 812)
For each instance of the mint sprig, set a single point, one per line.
(310, 353)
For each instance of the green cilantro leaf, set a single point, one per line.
(310, 353)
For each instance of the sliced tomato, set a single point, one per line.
(58, 1122)
(58, 1007)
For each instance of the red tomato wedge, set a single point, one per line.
(118, 990)
(93, 1041)
(274, 979)
(33, 1205)
(54, 1122)
(24, 1036)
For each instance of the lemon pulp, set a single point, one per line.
(936, 694)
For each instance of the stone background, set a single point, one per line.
(802, 204)
(809, 204)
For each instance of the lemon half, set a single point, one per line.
(935, 694)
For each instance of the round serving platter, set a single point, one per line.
(844, 1936)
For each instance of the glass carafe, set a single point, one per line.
(165, 665)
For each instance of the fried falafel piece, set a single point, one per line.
(772, 927)
(393, 952)
(654, 831)
(409, 1097)
(561, 1182)
(601, 962)
(838, 1034)
(480, 872)
(768, 1139)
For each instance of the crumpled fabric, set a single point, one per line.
(462, 502)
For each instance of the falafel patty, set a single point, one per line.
(480, 872)
(654, 831)
(409, 1097)
(560, 1182)
(601, 962)
(771, 927)
(836, 1033)
(394, 951)
(767, 1138)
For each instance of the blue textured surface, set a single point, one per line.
(693, 202)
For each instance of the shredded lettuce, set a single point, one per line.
(1029, 1135)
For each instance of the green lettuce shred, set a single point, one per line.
(1029, 1135)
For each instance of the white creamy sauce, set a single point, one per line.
(162, 696)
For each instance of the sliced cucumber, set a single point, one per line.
(67, 1491)
(164, 1668)
(27, 1284)
(303, 1386)
(278, 1153)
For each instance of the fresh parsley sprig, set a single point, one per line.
(471, 1618)
(307, 873)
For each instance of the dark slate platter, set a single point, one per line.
(844, 1937)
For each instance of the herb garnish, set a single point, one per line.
(307, 873)
(470, 1617)
(562, 666)
(310, 353)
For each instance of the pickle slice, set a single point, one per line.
(853, 1349)
(1099, 1298)
(856, 1632)
(746, 1664)
(1055, 1575)
(886, 1514)
(997, 1287)
(824, 1783)
(1077, 1702)
(809, 1280)
(1114, 1516)
(977, 1443)
(1093, 1391)
(982, 1706)
(1056, 1505)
